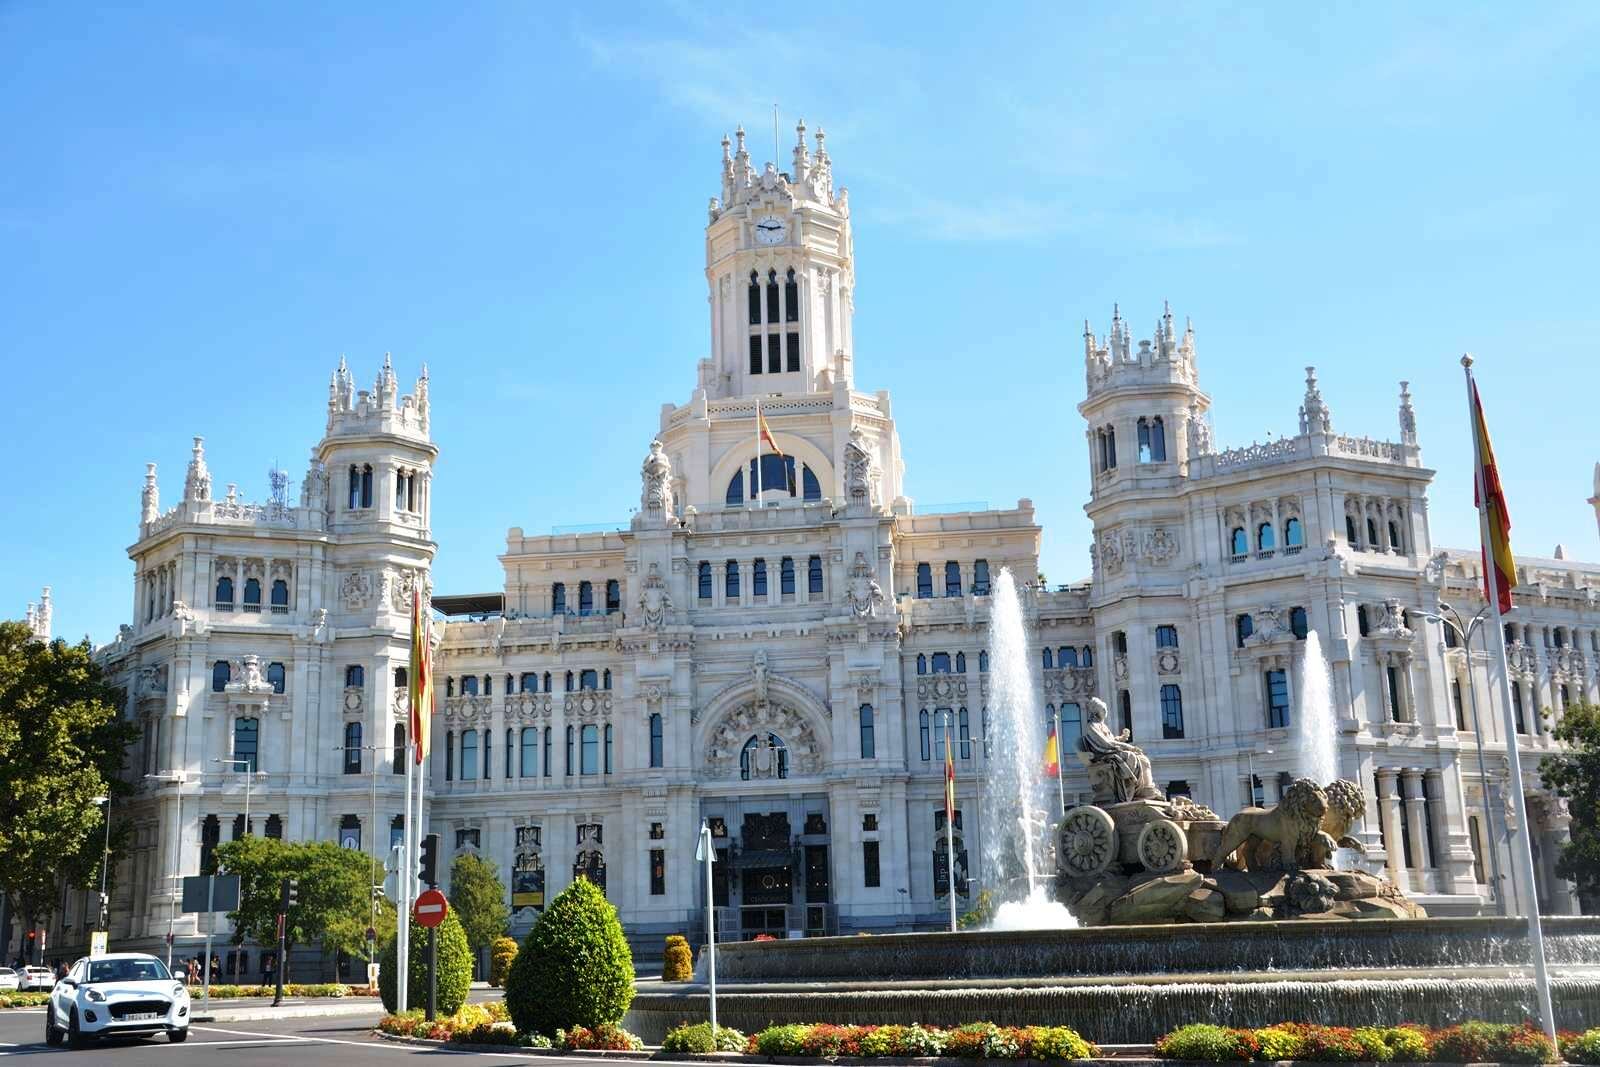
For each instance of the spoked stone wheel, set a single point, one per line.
(1162, 845)
(1088, 841)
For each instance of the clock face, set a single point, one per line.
(771, 230)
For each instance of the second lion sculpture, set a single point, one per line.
(1288, 835)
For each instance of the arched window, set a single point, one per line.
(608, 748)
(613, 596)
(399, 745)
(922, 663)
(941, 663)
(221, 674)
(983, 662)
(545, 685)
(1372, 534)
(1158, 440)
(590, 751)
(1146, 448)
(529, 682)
(1238, 542)
(704, 575)
(449, 687)
(869, 744)
(589, 679)
(764, 757)
(786, 576)
(1298, 623)
(488, 685)
(225, 593)
(1071, 723)
(1048, 657)
(469, 685)
(558, 598)
(961, 663)
(605, 679)
(926, 738)
(511, 753)
(252, 594)
(549, 768)
(1066, 656)
(980, 577)
(352, 748)
(776, 474)
(730, 580)
(1363, 624)
(753, 302)
(1394, 536)
(791, 298)
(488, 763)
(355, 488)
(814, 576)
(400, 678)
(810, 488)
(585, 598)
(1265, 541)
(1350, 530)
(247, 744)
(952, 578)
(280, 597)
(1171, 712)
(276, 677)
(1111, 447)
(772, 300)
(924, 581)
(1293, 534)
(529, 749)
(1087, 658)
(569, 680)
(657, 741)
(366, 485)
(469, 755)
(758, 578)
(735, 494)
(1166, 636)
(1243, 627)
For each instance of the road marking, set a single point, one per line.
(378, 1044)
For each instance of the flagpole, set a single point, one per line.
(403, 880)
(1061, 785)
(759, 501)
(950, 819)
(1523, 853)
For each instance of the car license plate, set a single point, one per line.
(141, 1016)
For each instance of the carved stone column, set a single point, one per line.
(1389, 812)
(1432, 785)
(1416, 818)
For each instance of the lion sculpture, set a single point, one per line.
(1345, 806)
(1284, 837)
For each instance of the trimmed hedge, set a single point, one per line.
(1472, 1042)
(501, 954)
(677, 964)
(697, 1038)
(290, 989)
(455, 968)
(574, 971)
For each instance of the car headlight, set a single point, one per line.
(97, 996)
(178, 990)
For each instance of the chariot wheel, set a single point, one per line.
(1088, 841)
(1162, 845)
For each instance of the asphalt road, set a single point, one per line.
(343, 1041)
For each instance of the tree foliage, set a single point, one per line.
(334, 890)
(478, 898)
(62, 743)
(1574, 775)
(574, 969)
(454, 973)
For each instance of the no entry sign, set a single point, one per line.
(431, 908)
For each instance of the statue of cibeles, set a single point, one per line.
(656, 474)
(1130, 767)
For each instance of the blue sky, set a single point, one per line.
(202, 206)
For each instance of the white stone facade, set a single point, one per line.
(784, 666)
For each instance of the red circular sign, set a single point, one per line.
(430, 909)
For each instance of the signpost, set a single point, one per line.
(97, 944)
(430, 910)
(209, 894)
(706, 851)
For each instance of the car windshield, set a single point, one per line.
(151, 970)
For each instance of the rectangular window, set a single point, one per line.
(869, 744)
(758, 578)
(1516, 706)
(1277, 698)
(786, 577)
(791, 345)
(658, 872)
(952, 578)
(1394, 695)
(869, 864)
(591, 750)
(1455, 698)
(755, 353)
(246, 742)
(814, 575)
(774, 354)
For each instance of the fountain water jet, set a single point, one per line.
(1015, 827)
(1319, 740)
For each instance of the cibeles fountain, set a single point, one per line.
(1136, 913)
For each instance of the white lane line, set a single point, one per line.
(386, 1045)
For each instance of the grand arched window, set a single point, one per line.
(810, 488)
(224, 593)
(657, 741)
(735, 494)
(252, 594)
(352, 748)
(764, 757)
(280, 597)
(221, 674)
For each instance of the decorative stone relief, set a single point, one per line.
(942, 687)
(864, 593)
(1160, 546)
(655, 603)
(1168, 661)
(1393, 623)
(588, 704)
(759, 719)
(356, 590)
(655, 498)
(860, 470)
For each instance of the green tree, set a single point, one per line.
(454, 972)
(62, 743)
(334, 891)
(574, 969)
(478, 898)
(1574, 775)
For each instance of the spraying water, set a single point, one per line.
(1016, 818)
(1319, 732)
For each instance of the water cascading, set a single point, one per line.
(1319, 732)
(1016, 815)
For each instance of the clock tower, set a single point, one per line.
(780, 270)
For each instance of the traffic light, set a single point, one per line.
(428, 865)
(288, 894)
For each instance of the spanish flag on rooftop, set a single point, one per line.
(1499, 566)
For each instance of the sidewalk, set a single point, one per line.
(250, 1009)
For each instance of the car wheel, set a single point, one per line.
(178, 1036)
(75, 1038)
(52, 1036)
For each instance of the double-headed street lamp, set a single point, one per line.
(248, 778)
(1450, 617)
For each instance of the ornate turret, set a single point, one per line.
(38, 617)
(1314, 414)
(1408, 417)
(197, 483)
(1164, 359)
(150, 496)
(381, 410)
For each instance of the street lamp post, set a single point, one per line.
(177, 778)
(1449, 616)
(105, 861)
(248, 778)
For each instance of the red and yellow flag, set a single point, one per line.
(1052, 755)
(1499, 566)
(765, 432)
(421, 674)
(949, 783)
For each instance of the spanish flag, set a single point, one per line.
(1052, 755)
(1499, 566)
(764, 437)
(421, 674)
(949, 783)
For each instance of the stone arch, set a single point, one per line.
(738, 457)
(740, 711)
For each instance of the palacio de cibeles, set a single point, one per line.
(1274, 757)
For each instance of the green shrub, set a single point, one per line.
(607, 1037)
(1581, 1048)
(697, 1038)
(781, 1040)
(574, 969)
(455, 968)
(1277, 1043)
(1476, 1042)
(1058, 1043)
(1373, 1045)
(677, 963)
(502, 951)
(1333, 1044)
(1203, 1041)
(1407, 1044)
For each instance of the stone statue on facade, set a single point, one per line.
(860, 470)
(758, 673)
(1130, 776)
(655, 498)
(1199, 432)
(655, 602)
(864, 592)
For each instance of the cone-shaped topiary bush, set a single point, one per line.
(455, 969)
(574, 968)
(501, 953)
(677, 964)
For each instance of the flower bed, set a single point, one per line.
(474, 1024)
(973, 1041)
(24, 1000)
(318, 989)
(1471, 1042)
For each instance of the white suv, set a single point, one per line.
(121, 993)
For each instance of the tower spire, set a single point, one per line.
(150, 498)
(197, 483)
(1408, 417)
(1314, 414)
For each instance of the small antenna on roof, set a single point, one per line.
(777, 149)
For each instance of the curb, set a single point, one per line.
(518, 1050)
(287, 1011)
